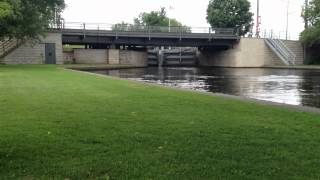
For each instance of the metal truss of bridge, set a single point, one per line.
(104, 35)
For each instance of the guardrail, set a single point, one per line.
(279, 34)
(7, 45)
(282, 51)
(147, 29)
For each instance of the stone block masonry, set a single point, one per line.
(114, 56)
(110, 56)
(34, 52)
(91, 56)
(136, 58)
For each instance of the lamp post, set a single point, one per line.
(306, 6)
(258, 20)
(287, 26)
(170, 9)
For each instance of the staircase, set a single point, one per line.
(281, 50)
(7, 46)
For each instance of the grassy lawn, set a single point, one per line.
(58, 124)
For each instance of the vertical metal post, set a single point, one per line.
(287, 26)
(4, 49)
(180, 60)
(149, 33)
(258, 20)
(180, 32)
(116, 31)
(306, 25)
(84, 29)
(169, 25)
(306, 6)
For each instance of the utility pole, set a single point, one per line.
(258, 20)
(170, 9)
(306, 25)
(287, 27)
(306, 6)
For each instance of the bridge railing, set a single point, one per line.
(149, 29)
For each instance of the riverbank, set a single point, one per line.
(70, 125)
(87, 67)
(302, 67)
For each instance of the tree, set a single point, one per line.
(5, 9)
(154, 19)
(27, 18)
(230, 14)
(311, 35)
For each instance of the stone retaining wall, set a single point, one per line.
(249, 52)
(34, 52)
(110, 56)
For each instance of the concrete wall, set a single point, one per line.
(297, 48)
(137, 58)
(91, 56)
(34, 52)
(114, 56)
(110, 56)
(68, 57)
(249, 52)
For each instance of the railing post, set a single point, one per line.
(4, 49)
(149, 33)
(116, 31)
(98, 31)
(84, 29)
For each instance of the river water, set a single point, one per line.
(295, 87)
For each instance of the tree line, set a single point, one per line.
(311, 35)
(27, 18)
(31, 18)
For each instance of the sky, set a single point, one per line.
(189, 12)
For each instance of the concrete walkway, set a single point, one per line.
(302, 67)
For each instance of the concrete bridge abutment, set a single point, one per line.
(111, 56)
(248, 52)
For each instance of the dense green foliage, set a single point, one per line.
(5, 9)
(57, 124)
(230, 14)
(27, 18)
(157, 19)
(311, 35)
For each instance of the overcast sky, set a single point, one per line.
(189, 12)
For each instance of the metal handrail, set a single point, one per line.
(287, 49)
(7, 45)
(281, 49)
(284, 46)
(149, 29)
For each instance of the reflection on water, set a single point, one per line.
(296, 87)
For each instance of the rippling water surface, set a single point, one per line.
(296, 87)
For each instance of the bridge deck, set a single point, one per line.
(149, 37)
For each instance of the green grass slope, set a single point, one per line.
(58, 124)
